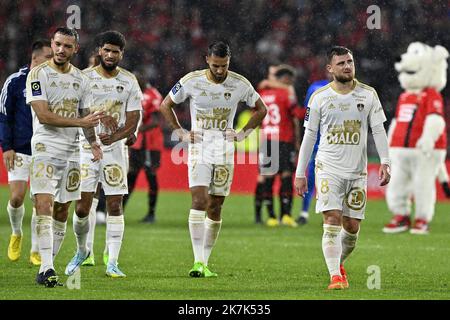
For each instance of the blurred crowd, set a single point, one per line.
(168, 38)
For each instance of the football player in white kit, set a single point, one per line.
(58, 93)
(115, 91)
(214, 95)
(343, 110)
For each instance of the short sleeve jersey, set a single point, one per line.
(343, 121)
(115, 96)
(65, 93)
(212, 108)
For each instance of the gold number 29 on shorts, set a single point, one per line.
(41, 167)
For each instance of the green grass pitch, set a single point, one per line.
(253, 262)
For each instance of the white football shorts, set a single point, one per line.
(336, 193)
(111, 172)
(58, 177)
(217, 178)
(21, 170)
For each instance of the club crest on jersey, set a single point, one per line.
(176, 88)
(360, 106)
(119, 89)
(227, 95)
(307, 114)
(76, 85)
(36, 88)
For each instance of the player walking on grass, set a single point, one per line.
(214, 94)
(343, 111)
(58, 93)
(115, 91)
(17, 130)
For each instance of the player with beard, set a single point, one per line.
(115, 91)
(342, 110)
(58, 93)
(214, 94)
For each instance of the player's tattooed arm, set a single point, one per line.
(89, 133)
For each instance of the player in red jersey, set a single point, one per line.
(279, 135)
(146, 151)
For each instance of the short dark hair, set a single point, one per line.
(220, 49)
(337, 51)
(67, 32)
(39, 44)
(285, 70)
(111, 37)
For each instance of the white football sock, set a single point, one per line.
(332, 248)
(115, 226)
(81, 229)
(15, 217)
(34, 239)
(197, 231)
(105, 251)
(45, 241)
(348, 241)
(92, 223)
(305, 214)
(212, 229)
(59, 232)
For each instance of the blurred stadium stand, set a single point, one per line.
(166, 39)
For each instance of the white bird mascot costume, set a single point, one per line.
(417, 138)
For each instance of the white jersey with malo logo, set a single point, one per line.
(213, 107)
(343, 120)
(65, 93)
(115, 96)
